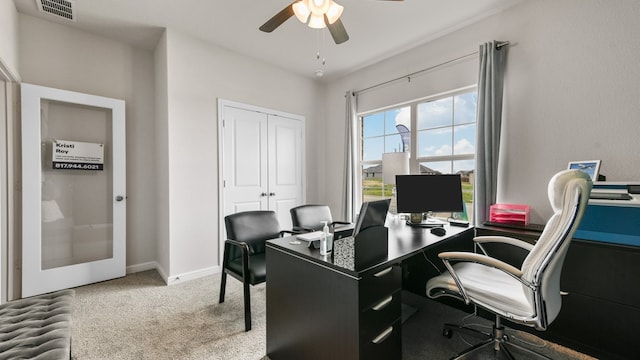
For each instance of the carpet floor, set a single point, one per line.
(139, 317)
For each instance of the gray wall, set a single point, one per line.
(571, 94)
(86, 63)
(571, 91)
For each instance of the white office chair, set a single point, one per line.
(529, 295)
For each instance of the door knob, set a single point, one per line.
(272, 194)
(263, 194)
(119, 198)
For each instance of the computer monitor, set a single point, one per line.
(425, 193)
(372, 213)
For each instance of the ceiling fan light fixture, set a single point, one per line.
(334, 12)
(301, 10)
(316, 21)
(319, 7)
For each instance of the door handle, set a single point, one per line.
(263, 194)
(272, 194)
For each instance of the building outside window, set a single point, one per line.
(441, 131)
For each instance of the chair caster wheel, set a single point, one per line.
(447, 333)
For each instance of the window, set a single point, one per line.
(444, 137)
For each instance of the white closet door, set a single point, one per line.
(261, 161)
(245, 160)
(73, 198)
(285, 167)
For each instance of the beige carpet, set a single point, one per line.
(139, 317)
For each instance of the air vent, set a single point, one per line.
(60, 8)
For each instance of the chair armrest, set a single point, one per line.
(241, 244)
(300, 230)
(481, 259)
(245, 256)
(292, 232)
(340, 223)
(503, 240)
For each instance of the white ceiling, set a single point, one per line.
(377, 29)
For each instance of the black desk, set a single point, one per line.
(317, 309)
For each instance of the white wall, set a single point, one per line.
(62, 57)
(571, 91)
(171, 95)
(198, 75)
(162, 158)
(9, 38)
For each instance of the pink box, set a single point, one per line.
(509, 213)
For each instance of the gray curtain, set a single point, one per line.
(350, 193)
(489, 118)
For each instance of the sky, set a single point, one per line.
(446, 127)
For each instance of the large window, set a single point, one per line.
(440, 131)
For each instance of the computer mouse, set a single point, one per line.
(440, 231)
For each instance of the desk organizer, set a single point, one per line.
(509, 213)
(367, 248)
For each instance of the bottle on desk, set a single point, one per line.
(326, 240)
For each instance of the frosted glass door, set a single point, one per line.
(74, 181)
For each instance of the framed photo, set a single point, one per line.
(591, 167)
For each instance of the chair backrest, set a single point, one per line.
(253, 228)
(568, 193)
(310, 216)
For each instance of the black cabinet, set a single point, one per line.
(361, 314)
(601, 308)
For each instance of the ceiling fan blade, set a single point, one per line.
(337, 30)
(278, 19)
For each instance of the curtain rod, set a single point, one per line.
(499, 45)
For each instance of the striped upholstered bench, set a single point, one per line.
(37, 327)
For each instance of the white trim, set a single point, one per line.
(177, 279)
(7, 73)
(421, 99)
(151, 265)
(192, 275)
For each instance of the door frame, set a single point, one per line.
(221, 200)
(9, 188)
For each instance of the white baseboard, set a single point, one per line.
(151, 265)
(192, 275)
(176, 279)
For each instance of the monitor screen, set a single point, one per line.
(424, 193)
(372, 213)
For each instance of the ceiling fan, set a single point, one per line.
(317, 14)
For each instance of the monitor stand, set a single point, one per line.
(417, 220)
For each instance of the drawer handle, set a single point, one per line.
(383, 303)
(383, 336)
(383, 272)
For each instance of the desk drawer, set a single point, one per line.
(378, 317)
(385, 345)
(376, 287)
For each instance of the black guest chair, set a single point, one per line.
(244, 251)
(306, 218)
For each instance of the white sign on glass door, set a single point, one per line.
(77, 155)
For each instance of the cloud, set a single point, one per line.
(464, 146)
(403, 117)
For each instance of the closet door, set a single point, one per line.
(285, 166)
(261, 161)
(245, 161)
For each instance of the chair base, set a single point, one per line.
(497, 340)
